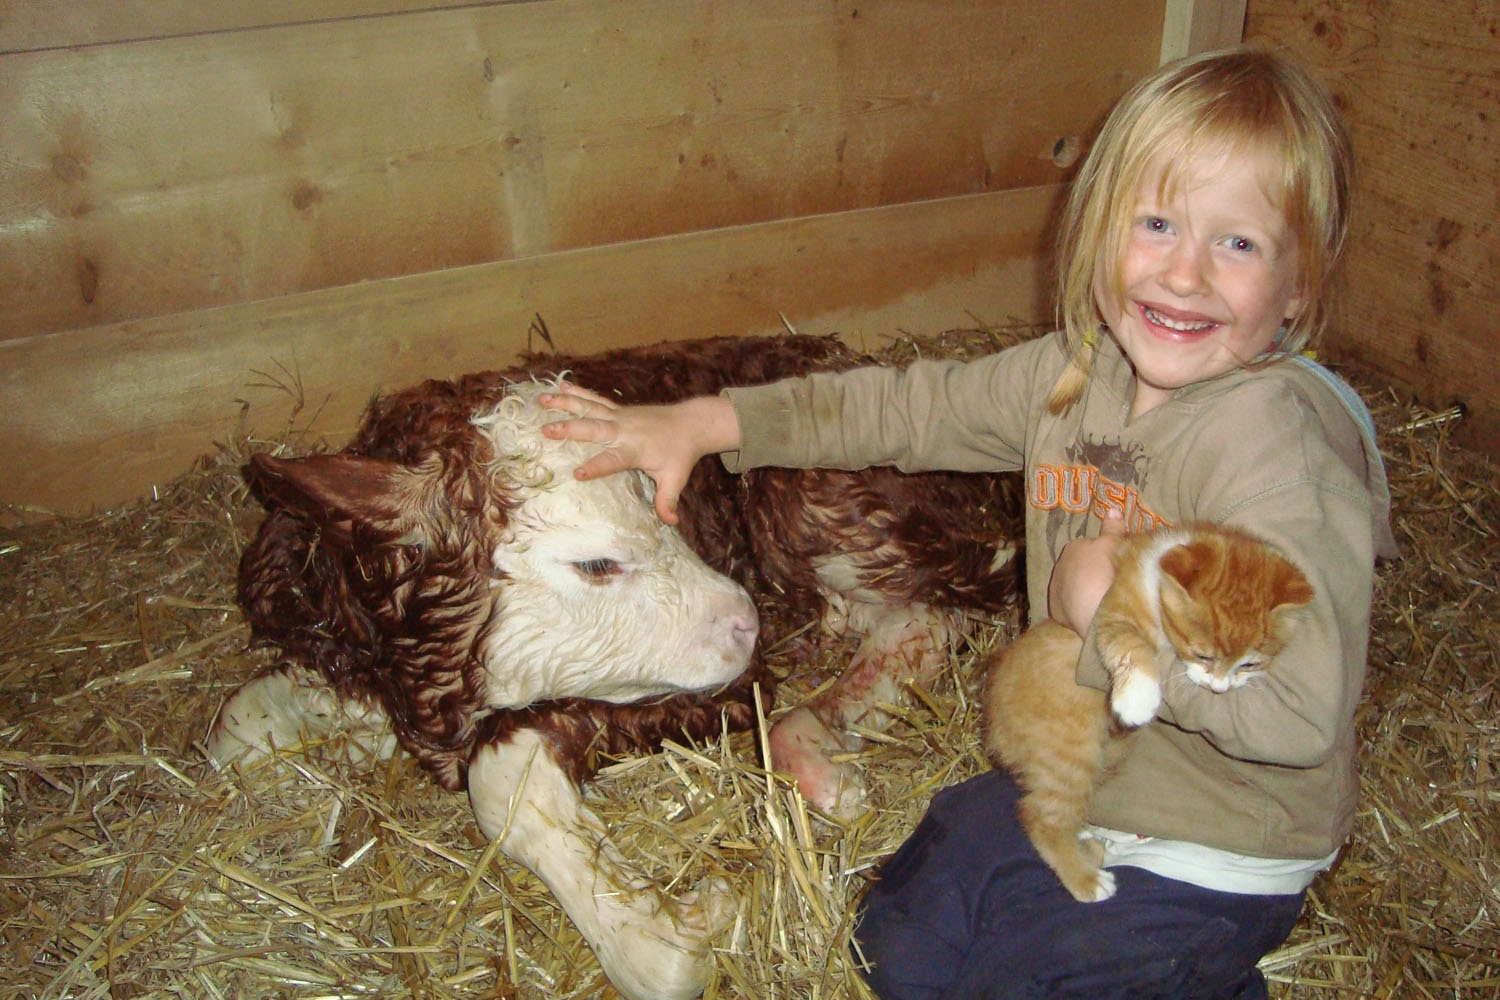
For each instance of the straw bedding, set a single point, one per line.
(130, 869)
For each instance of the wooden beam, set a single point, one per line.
(1192, 26)
(93, 417)
(29, 26)
(215, 167)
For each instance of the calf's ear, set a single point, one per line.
(344, 494)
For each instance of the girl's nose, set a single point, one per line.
(1185, 271)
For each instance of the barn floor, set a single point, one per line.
(130, 869)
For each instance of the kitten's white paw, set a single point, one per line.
(1106, 887)
(1135, 699)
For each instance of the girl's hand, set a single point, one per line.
(665, 442)
(1082, 575)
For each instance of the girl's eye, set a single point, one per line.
(1241, 245)
(597, 570)
(1156, 224)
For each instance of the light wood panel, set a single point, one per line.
(1194, 26)
(215, 167)
(94, 417)
(31, 25)
(1420, 84)
(361, 193)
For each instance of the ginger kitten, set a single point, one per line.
(1216, 599)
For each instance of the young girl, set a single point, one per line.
(1196, 253)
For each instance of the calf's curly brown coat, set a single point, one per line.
(389, 601)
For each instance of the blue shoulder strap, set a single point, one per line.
(1385, 542)
(1351, 400)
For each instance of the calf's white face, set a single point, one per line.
(596, 597)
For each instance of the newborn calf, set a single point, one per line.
(446, 579)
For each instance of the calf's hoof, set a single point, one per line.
(670, 957)
(285, 706)
(804, 747)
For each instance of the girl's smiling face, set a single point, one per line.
(1206, 277)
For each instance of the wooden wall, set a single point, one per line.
(210, 213)
(1420, 83)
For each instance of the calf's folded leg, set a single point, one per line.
(651, 946)
(290, 704)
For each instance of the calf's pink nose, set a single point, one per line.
(744, 628)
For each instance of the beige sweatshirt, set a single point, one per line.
(1266, 770)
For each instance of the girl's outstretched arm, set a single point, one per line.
(665, 442)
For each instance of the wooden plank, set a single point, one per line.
(96, 416)
(29, 26)
(1420, 84)
(1192, 26)
(204, 169)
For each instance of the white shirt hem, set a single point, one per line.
(1209, 867)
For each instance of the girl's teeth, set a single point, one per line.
(1173, 324)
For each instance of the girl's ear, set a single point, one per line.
(1294, 307)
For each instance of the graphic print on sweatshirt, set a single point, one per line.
(1097, 476)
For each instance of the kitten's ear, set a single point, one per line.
(1290, 588)
(1185, 563)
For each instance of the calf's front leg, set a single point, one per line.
(651, 946)
(899, 645)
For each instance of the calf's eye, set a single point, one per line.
(597, 570)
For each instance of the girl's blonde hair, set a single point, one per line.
(1238, 99)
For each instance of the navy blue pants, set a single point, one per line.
(967, 909)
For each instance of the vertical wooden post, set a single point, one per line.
(1191, 26)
